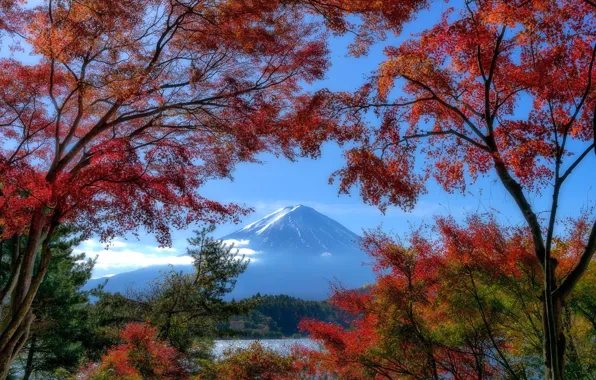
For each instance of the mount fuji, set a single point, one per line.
(296, 229)
(295, 251)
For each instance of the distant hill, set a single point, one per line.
(295, 251)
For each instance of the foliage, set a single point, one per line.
(182, 306)
(462, 305)
(141, 356)
(253, 363)
(582, 319)
(106, 316)
(133, 106)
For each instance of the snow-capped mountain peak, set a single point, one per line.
(297, 228)
(262, 224)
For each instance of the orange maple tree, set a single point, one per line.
(452, 95)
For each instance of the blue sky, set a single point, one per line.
(278, 182)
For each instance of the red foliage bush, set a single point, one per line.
(140, 356)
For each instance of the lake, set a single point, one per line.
(281, 346)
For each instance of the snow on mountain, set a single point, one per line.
(267, 221)
(296, 229)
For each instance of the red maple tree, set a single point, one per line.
(461, 83)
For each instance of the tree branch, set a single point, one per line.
(577, 272)
(577, 162)
(439, 133)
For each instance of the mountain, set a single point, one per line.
(295, 251)
(136, 279)
(297, 229)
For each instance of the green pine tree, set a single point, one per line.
(185, 307)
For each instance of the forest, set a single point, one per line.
(115, 116)
(279, 316)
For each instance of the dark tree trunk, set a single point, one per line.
(552, 320)
(14, 346)
(30, 357)
(554, 369)
(16, 311)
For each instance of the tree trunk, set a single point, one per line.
(30, 357)
(554, 367)
(14, 346)
(17, 317)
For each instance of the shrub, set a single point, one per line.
(140, 356)
(253, 363)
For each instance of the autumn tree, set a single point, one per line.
(400, 322)
(458, 301)
(131, 106)
(452, 95)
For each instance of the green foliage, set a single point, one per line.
(183, 306)
(580, 320)
(106, 317)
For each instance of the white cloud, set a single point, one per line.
(240, 246)
(326, 254)
(89, 244)
(119, 256)
(246, 251)
(235, 242)
(116, 244)
(95, 244)
(108, 259)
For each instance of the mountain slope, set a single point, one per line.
(296, 229)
